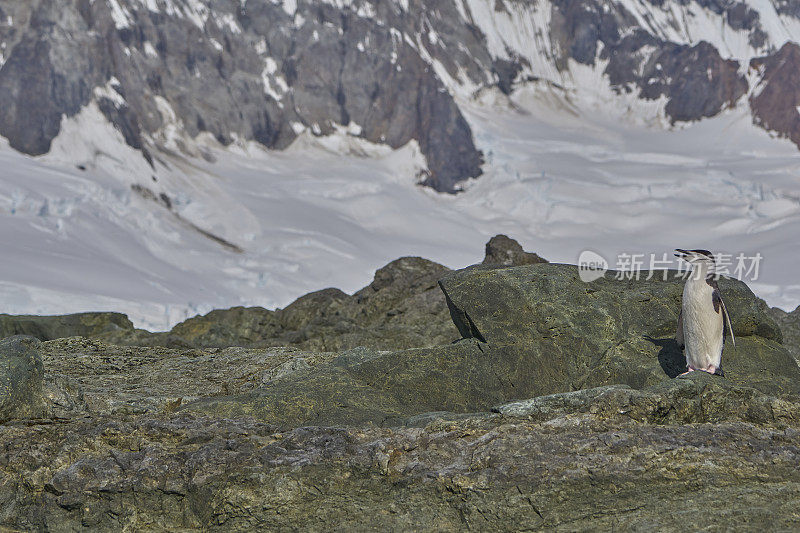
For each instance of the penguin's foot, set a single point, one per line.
(710, 369)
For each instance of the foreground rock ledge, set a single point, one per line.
(599, 458)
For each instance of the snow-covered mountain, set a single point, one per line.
(164, 71)
(168, 156)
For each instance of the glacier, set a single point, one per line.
(560, 177)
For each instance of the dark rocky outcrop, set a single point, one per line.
(402, 308)
(529, 331)
(502, 250)
(20, 377)
(696, 80)
(611, 324)
(788, 7)
(522, 304)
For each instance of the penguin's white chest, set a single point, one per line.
(702, 325)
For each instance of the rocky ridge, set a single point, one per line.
(557, 409)
(402, 308)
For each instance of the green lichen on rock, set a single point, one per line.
(606, 458)
(698, 398)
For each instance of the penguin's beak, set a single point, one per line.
(682, 254)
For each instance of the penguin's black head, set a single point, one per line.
(695, 256)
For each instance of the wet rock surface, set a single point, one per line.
(556, 410)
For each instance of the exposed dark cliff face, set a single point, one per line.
(253, 71)
(776, 98)
(46, 75)
(788, 7)
(696, 80)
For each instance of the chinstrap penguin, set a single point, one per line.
(703, 321)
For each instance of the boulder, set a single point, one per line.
(502, 250)
(21, 374)
(520, 305)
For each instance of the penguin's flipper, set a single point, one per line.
(716, 298)
(679, 333)
(727, 319)
(719, 371)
